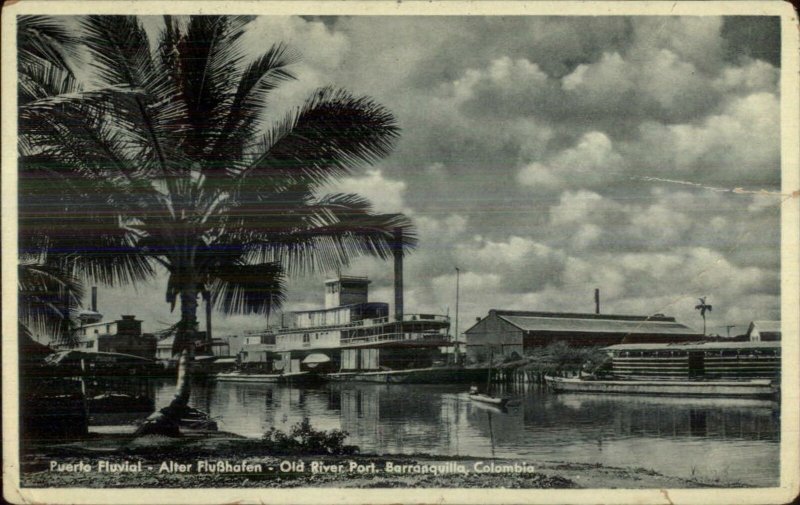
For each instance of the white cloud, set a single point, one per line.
(540, 176)
(386, 195)
(739, 147)
(590, 162)
(577, 207)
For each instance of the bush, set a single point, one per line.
(304, 439)
(560, 357)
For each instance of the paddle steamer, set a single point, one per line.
(354, 339)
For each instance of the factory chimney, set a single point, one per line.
(94, 298)
(597, 300)
(397, 250)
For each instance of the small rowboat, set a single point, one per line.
(488, 399)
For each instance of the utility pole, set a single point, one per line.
(458, 272)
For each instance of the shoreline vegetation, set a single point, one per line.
(303, 458)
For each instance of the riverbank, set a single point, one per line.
(223, 460)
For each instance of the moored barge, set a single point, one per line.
(751, 388)
(729, 369)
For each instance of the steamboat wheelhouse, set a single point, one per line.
(697, 360)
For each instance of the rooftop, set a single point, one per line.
(581, 315)
(693, 345)
(607, 324)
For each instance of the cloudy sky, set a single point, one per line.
(549, 156)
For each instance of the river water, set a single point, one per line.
(731, 440)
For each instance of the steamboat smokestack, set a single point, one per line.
(398, 273)
(597, 300)
(94, 298)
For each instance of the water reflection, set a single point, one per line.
(731, 440)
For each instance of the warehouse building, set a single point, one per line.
(512, 332)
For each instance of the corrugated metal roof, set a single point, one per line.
(693, 345)
(579, 325)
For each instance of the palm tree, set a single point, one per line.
(50, 274)
(47, 292)
(173, 148)
(703, 307)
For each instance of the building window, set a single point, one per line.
(306, 338)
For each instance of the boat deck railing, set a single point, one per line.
(363, 323)
(392, 337)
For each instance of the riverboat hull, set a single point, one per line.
(756, 388)
(246, 377)
(435, 375)
(290, 378)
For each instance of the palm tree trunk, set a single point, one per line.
(167, 420)
(208, 318)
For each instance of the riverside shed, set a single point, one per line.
(510, 332)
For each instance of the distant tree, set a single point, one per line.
(703, 307)
(173, 149)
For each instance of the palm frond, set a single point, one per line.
(120, 50)
(44, 40)
(121, 54)
(259, 78)
(326, 234)
(41, 81)
(246, 289)
(48, 298)
(330, 135)
(75, 220)
(206, 60)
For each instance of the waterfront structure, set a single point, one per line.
(352, 334)
(513, 332)
(258, 350)
(123, 336)
(217, 348)
(764, 331)
(233, 343)
(697, 360)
